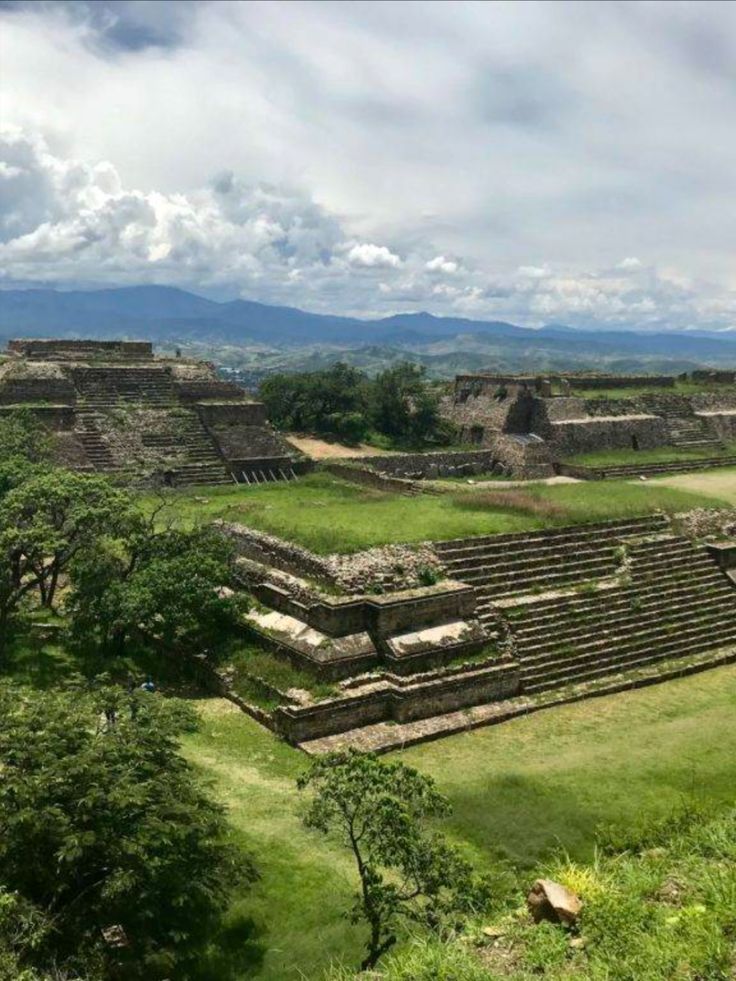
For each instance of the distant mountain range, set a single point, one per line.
(168, 315)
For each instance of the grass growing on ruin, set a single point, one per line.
(328, 514)
(661, 454)
(681, 387)
(519, 791)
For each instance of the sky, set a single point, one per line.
(551, 162)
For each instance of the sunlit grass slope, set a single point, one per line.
(329, 514)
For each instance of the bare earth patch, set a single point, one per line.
(320, 449)
(715, 483)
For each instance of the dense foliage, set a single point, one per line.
(24, 444)
(162, 586)
(103, 825)
(345, 403)
(407, 873)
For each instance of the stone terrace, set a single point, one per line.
(118, 409)
(549, 613)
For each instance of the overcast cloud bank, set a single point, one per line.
(531, 162)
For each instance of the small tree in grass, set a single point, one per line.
(407, 873)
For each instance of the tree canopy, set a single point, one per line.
(105, 832)
(344, 402)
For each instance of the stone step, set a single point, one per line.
(610, 608)
(383, 736)
(615, 632)
(675, 650)
(649, 524)
(508, 583)
(561, 610)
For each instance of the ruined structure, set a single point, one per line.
(546, 416)
(513, 623)
(116, 408)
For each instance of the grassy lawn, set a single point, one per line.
(328, 514)
(519, 791)
(661, 454)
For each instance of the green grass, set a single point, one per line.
(251, 663)
(519, 792)
(328, 514)
(662, 454)
(679, 388)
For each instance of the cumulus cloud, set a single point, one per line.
(373, 257)
(442, 265)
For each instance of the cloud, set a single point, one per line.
(442, 265)
(630, 263)
(373, 257)
(290, 152)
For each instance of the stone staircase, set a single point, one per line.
(686, 429)
(658, 469)
(104, 388)
(97, 451)
(671, 601)
(504, 565)
(188, 445)
(578, 612)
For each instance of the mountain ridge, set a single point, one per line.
(170, 314)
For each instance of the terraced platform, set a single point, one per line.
(575, 612)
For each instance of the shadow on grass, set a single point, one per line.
(236, 951)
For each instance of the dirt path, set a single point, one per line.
(715, 483)
(320, 449)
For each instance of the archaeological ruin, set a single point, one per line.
(116, 408)
(418, 641)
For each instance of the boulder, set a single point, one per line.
(548, 900)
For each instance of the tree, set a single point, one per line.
(44, 523)
(103, 824)
(24, 444)
(378, 810)
(404, 406)
(167, 586)
(333, 401)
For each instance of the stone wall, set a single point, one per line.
(443, 463)
(15, 391)
(721, 424)
(393, 702)
(194, 391)
(238, 413)
(340, 616)
(385, 568)
(58, 418)
(273, 551)
(616, 432)
(56, 348)
(367, 477)
(620, 381)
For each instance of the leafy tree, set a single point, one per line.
(403, 405)
(333, 401)
(103, 824)
(406, 873)
(168, 586)
(44, 522)
(343, 402)
(22, 930)
(24, 444)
